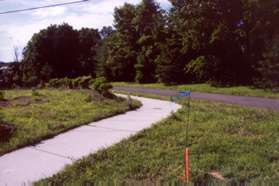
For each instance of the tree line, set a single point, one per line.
(217, 41)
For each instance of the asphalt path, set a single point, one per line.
(257, 102)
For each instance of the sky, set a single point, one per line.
(17, 29)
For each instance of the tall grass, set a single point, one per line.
(61, 110)
(240, 143)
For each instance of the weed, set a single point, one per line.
(2, 95)
(64, 110)
(239, 143)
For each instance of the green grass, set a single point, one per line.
(237, 90)
(63, 110)
(239, 142)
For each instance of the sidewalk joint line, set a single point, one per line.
(114, 129)
(55, 154)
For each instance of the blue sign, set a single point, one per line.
(180, 95)
(185, 93)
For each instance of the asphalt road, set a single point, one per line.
(238, 100)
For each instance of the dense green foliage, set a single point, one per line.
(102, 86)
(223, 42)
(239, 143)
(217, 41)
(82, 82)
(2, 95)
(55, 52)
(40, 114)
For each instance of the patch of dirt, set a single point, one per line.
(94, 96)
(6, 132)
(4, 103)
(216, 175)
(22, 101)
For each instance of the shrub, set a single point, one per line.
(268, 67)
(102, 86)
(80, 82)
(35, 92)
(60, 83)
(53, 83)
(88, 98)
(65, 82)
(6, 132)
(84, 82)
(75, 82)
(197, 68)
(2, 95)
(41, 85)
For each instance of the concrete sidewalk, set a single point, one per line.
(33, 163)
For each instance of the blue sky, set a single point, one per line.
(17, 29)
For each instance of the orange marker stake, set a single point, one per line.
(187, 165)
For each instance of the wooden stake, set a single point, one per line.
(187, 165)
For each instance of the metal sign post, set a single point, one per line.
(185, 94)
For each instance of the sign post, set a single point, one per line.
(185, 94)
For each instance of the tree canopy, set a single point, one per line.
(217, 41)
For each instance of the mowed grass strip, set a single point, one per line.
(239, 143)
(61, 110)
(234, 90)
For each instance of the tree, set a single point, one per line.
(89, 40)
(212, 29)
(51, 53)
(269, 67)
(149, 22)
(60, 51)
(119, 64)
(121, 45)
(106, 31)
(16, 54)
(263, 41)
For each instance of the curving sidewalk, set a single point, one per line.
(24, 166)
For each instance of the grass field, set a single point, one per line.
(238, 142)
(239, 90)
(50, 112)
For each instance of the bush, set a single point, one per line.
(102, 86)
(2, 95)
(80, 82)
(53, 83)
(75, 82)
(6, 132)
(197, 68)
(84, 82)
(268, 68)
(65, 82)
(35, 93)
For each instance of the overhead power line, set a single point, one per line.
(41, 7)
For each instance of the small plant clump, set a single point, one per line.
(76, 83)
(2, 95)
(88, 98)
(35, 93)
(6, 132)
(102, 86)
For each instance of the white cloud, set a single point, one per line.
(55, 11)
